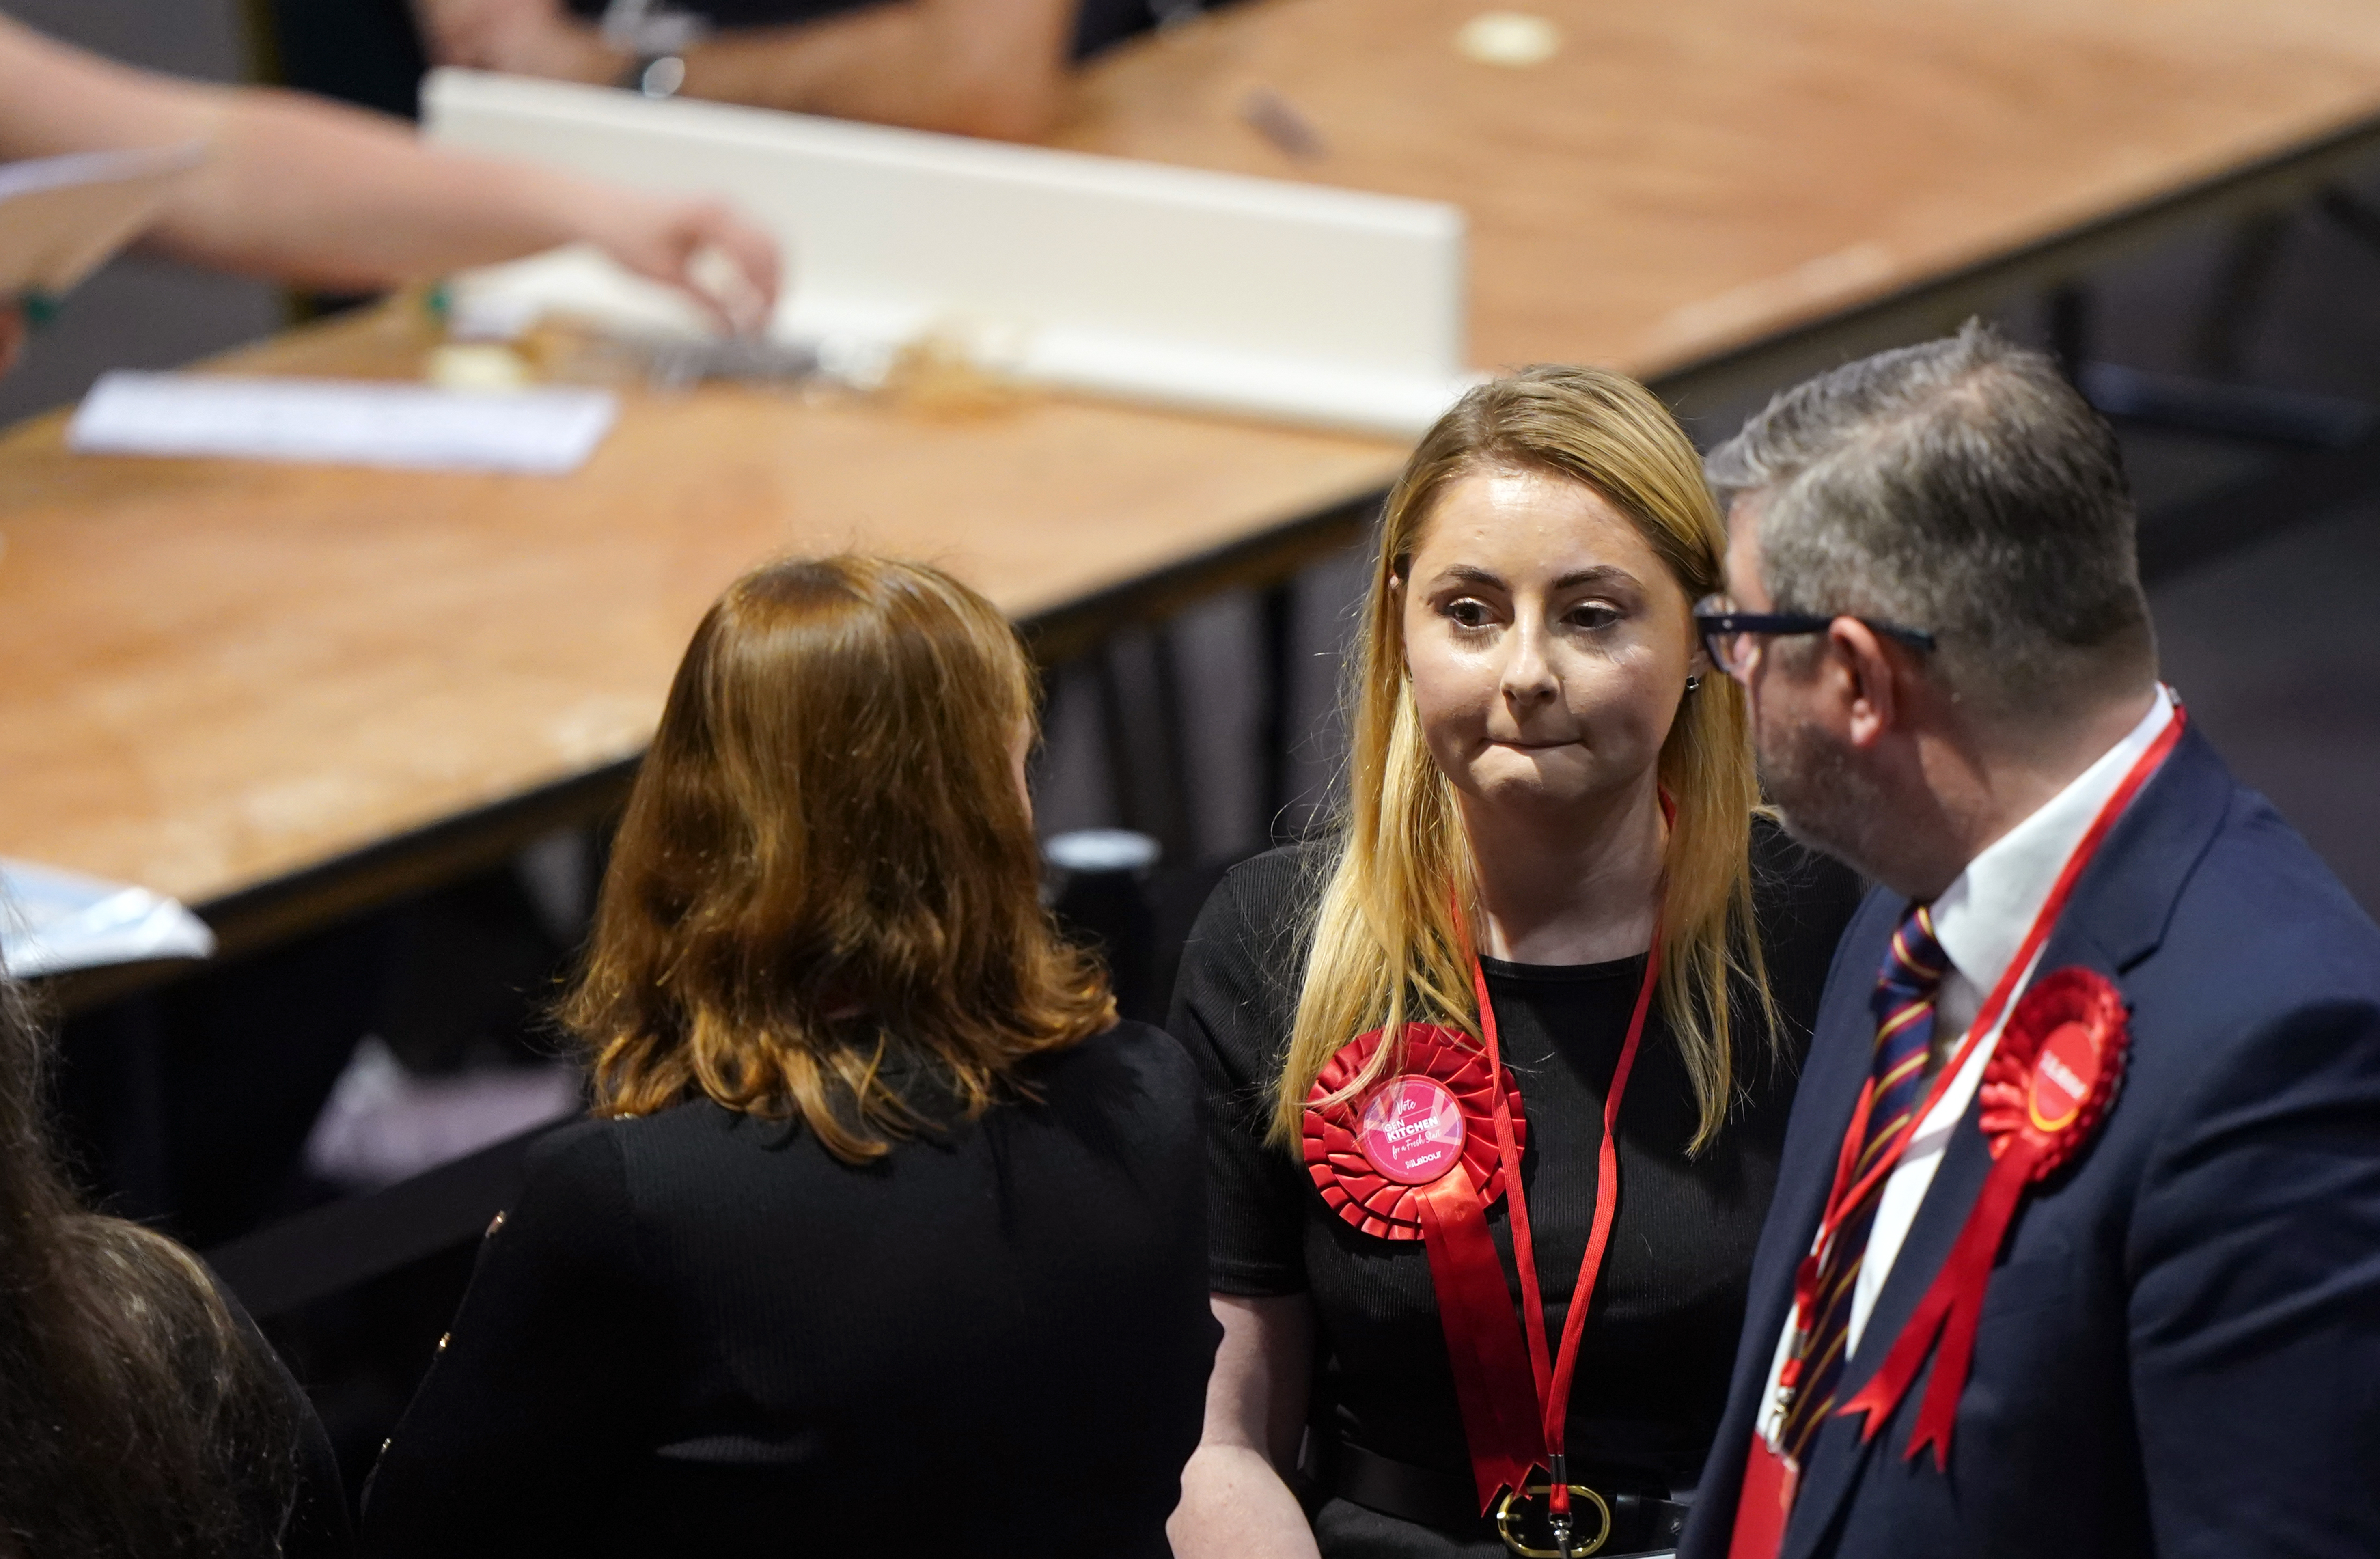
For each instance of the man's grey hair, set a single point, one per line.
(1962, 487)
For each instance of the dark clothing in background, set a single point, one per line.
(1097, 23)
(364, 52)
(699, 1333)
(370, 51)
(318, 1525)
(1653, 1364)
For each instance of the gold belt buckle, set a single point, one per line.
(1505, 1516)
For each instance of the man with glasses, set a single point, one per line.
(2076, 1243)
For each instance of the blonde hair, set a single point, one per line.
(1385, 947)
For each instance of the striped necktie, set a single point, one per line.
(1903, 1004)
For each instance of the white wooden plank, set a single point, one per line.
(1174, 285)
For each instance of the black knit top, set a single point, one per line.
(697, 1332)
(1654, 1360)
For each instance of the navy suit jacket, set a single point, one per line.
(2180, 1347)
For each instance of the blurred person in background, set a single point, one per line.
(982, 68)
(887, 1235)
(321, 195)
(1549, 870)
(141, 1411)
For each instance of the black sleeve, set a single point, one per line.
(1232, 1006)
(542, 1394)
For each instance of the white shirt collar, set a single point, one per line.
(1981, 920)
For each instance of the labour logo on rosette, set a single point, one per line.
(1415, 1157)
(1372, 1159)
(2055, 1071)
(1411, 1130)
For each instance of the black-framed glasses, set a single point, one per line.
(1730, 637)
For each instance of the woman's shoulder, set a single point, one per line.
(1127, 1051)
(602, 1186)
(1237, 989)
(583, 1157)
(1268, 891)
(1257, 920)
(1142, 1049)
(1132, 1071)
(622, 1170)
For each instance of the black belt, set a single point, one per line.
(1638, 1523)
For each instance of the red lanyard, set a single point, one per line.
(1846, 1193)
(1553, 1377)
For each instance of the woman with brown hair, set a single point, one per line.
(887, 1235)
(1551, 936)
(140, 1412)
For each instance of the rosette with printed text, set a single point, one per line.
(1415, 1157)
(2051, 1078)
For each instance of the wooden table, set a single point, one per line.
(281, 693)
(1720, 195)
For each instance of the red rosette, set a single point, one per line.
(2049, 1083)
(2055, 1071)
(1349, 1183)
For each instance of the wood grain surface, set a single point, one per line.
(1684, 177)
(216, 673)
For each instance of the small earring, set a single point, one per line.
(1693, 683)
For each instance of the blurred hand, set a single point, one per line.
(666, 237)
(12, 336)
(518, 37)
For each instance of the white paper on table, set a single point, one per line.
(61, 216)
(53, 920)
(540, 433)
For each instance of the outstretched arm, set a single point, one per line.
(984, 67)
(308, 192)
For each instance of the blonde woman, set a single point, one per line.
(1550, 805)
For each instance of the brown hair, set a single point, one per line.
(826, 865)
(135, 1414)
(1384, 949)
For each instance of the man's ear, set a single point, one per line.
(1871, 691)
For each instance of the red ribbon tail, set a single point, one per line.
(1937, 1411)
(1951, 1309)
(1483, 1335)
(1885, 1388)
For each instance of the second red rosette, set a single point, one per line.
(2055, 1071)
(2050, 1080)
